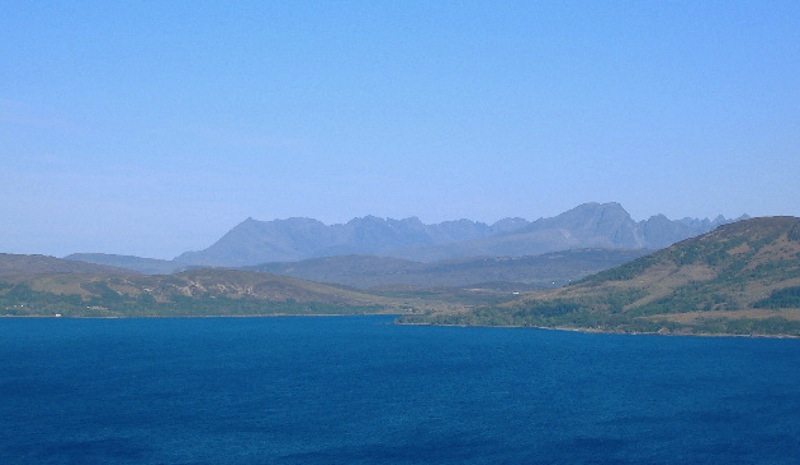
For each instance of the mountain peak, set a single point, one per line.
(589, 225)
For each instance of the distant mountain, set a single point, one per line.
(590, 225)
(741, 278)
(369, 271)
(253, 242)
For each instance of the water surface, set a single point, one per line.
(350, 390)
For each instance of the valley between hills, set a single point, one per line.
(592, 268)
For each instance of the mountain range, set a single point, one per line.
(740, 278)
(588, 226)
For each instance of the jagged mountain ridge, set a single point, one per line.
(591, 225)
(253, 242)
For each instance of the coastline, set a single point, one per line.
(609, 332)
(396, 317)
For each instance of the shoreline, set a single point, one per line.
(395, 322)
(620, 333)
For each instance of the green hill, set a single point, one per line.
(33, 285)
(15, 265)
(742, 278)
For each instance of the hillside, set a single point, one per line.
(14, 265)
(45, 286)
(591, 225)
(741, 278)
(138, 264)
(369, 271)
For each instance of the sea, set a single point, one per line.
(361, 390)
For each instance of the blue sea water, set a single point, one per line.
(358, 390)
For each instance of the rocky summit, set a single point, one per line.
(591, 225)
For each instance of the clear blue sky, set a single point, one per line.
(152, 128)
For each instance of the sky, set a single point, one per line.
(152, 128)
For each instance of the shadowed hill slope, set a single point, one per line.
(542, 271)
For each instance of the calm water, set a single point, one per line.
(358, 390)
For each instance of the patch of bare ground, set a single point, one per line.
(664, 283)
(783, 249)
(740, 250)
(61, 284)
(791, 314)
(658, 282)
(756, 290)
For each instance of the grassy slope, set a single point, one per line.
(742, 278)
(38, 285)
(35, 285)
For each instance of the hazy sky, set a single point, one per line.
(152, 128)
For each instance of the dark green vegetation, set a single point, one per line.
(742, 278)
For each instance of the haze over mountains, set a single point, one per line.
(740, 278)
(515, 273)
(591, 225)
(373, 252)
